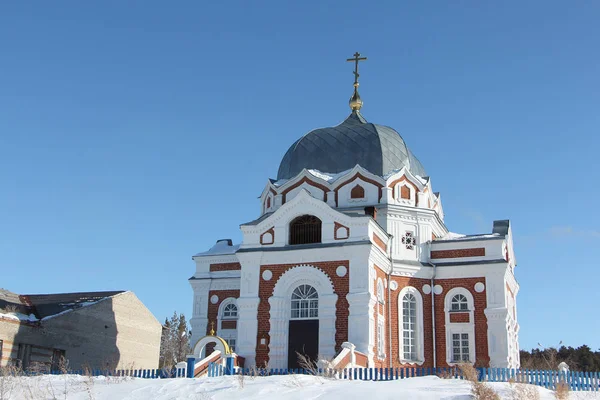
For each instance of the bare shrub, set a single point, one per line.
(479, 390)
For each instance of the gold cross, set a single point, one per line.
(356, 59)
(212, 328)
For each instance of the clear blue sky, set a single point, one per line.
(135, 134)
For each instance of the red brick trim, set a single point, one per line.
(458, 253)
(480, 320)
(337, 226)
(459, 317)
(272, 232)
(213, 312)
(379, 242)
(234, 266)
(403, 178)
(324, 188)
(362, 177)
(341, 287)
(229, 324)
(361, 359)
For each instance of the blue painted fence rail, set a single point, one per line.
(577, 381)
(134, 373)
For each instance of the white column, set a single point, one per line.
(331, 199)
(497, 337)
(361, 322)
(278, 200)
(387, 196)
(497, 320)
(278, 332)
(247, 327)
(327, 318)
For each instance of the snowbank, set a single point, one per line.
(291, 387)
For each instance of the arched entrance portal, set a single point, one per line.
(303, 313)
(220, 344)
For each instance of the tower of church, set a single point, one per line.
(351, 247)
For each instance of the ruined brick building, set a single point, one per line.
(351, 246)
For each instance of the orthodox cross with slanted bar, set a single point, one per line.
(356, 60)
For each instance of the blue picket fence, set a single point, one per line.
(133, 373)
(577, 381)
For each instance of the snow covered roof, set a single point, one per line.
(223, 246)
(11, 301)
(327, 177)
(500, 230)
(459, 236)
(34, 307)
(45, 305)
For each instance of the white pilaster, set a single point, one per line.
(361, 322)
(388, 195)
(331, 199)
(247, 328)
(199, 318)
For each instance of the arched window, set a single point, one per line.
(305, 302)
(268, 202)
(410, 321)
(409, 326)
(405, 192)
(460, 329)
(305, 229)
(459, 303)
(230, 311)
(357, 192)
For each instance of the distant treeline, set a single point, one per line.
(581, 358)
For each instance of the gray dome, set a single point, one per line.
(379, 149)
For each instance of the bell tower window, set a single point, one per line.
(305, 229)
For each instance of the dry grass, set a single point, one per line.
(314, 368)
(521, 391)
(479, 390)
(306, 363)
(8, 383)
(446, 374)
(561, 392)
(240, 378)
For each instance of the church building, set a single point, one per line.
(351, 246)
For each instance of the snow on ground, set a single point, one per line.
(291, 387)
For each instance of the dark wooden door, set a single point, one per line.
(304, 339)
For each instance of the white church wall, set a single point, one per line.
(492, 248)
